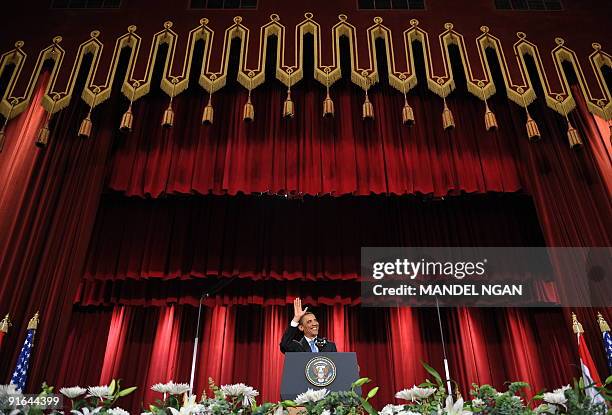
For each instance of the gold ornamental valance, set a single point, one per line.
(289, 70)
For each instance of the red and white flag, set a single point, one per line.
(589, 370)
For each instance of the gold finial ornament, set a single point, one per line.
(328, 104)
(168, 118)
(42, 137)
(576, 326)
(248, 113)
(128, 118)
(14, 101)
(288, 105)
(209, 112)
(5, 324)
(448, 122)
(33, 324)
(603, 324)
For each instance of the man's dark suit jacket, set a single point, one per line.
(290, 344)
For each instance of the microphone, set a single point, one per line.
(320, 342)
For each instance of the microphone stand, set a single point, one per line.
(194, 358)
(446, 371)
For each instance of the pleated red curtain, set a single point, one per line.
(240, 344)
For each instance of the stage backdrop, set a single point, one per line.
(54, 257)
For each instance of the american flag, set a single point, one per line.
(607, 339)
(20, 374)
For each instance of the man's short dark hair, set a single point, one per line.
(305, 314)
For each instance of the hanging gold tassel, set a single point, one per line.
(533, 132)
(407, 113)
(573, 136)
(368, 108)
(128, 118)
(42, 138)
(448, 122)
(288, 107)
(168, 118)
(2, 136)
(43, 135)
(209, 112)
(3, 129)
(328, 104)
(490, 119)
(126, 121)
(249, 110)
(86, 124)
(85, 129)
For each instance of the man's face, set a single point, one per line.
(309, 325)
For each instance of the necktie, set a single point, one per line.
(313, 347)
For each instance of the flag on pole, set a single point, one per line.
(4, 326)
(20, 375)
(607, 339)
(589, 371)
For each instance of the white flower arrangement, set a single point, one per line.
(311, 396)
(117, 411)
(9, 390)
(248, 393)
(415, 393)
(455, 408)
(101, 392)
(73, 392)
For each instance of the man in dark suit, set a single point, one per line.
(305, 322)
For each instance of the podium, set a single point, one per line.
(332, 371)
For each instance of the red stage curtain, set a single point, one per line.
(309, 154)
(240, 344)
(48, 202)
(271, 238)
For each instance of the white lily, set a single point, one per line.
(455, 408)
(190, 407)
